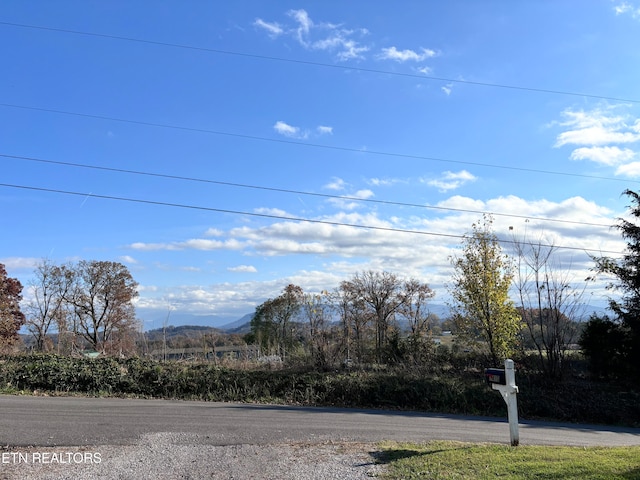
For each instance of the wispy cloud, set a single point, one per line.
(345, 43)
(392, 53)
(627, 8)
(447, 89)
(243, 269)
(450, 180)
(383, 182)
(336, 184)
(291, 131)
(273, 29)
(191, 244)
(602, 135)
(321, 36)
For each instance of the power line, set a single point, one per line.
(315, 145)
(320, 64)
(273, 216)
(290, 191)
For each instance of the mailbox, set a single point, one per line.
(495, 376)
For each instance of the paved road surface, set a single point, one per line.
(70, 421)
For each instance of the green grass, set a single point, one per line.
(452, 460)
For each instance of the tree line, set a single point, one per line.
(380, 317)
(499, 303)
(88, 304)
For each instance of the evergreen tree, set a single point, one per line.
(626, 271)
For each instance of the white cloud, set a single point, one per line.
(191, 244)
(626, 8)
(597, 127)
(348, 203)
(598, 134)
(128, 259)
(191, 269)
(214, 232)
(201, 244)
(447, 89)
(273, 29)
(320, 36)
(289, 130)
(336, 184)
(12, 263)
(275, 212)
(366, 193)
(147, 288)
(604, 155)
(383, 182)
(630, 170)
(304, 24)
(319, 255)
(392, 53)
(292, 131)
(243, 269)
(451, 180)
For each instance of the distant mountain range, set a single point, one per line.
(241, 325)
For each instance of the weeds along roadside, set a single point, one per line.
(450, 387)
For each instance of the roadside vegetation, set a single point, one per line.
(446, 460)
(455, 387)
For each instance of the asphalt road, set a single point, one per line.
(71, 421)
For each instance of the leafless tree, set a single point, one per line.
(380, 293)
(550, 302)
(317, 311)
(356, 320)
(47, 307)
(414, 308)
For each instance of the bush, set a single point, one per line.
(455, 387)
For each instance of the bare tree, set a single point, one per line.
(414, 308)
(380, 292)
(102, 300)
(550, 303)
(317, 311)
(355, 319)
(47, 307)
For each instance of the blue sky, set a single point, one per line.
(421, 114)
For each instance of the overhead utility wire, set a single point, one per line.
(318, 64)
(296, 192)
(313, 145)
(266, 215)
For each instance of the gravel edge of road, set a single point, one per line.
(172, 455)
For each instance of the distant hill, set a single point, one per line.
(153, 320)
(242, 325)
(186, 331)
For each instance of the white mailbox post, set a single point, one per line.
(504, 381)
